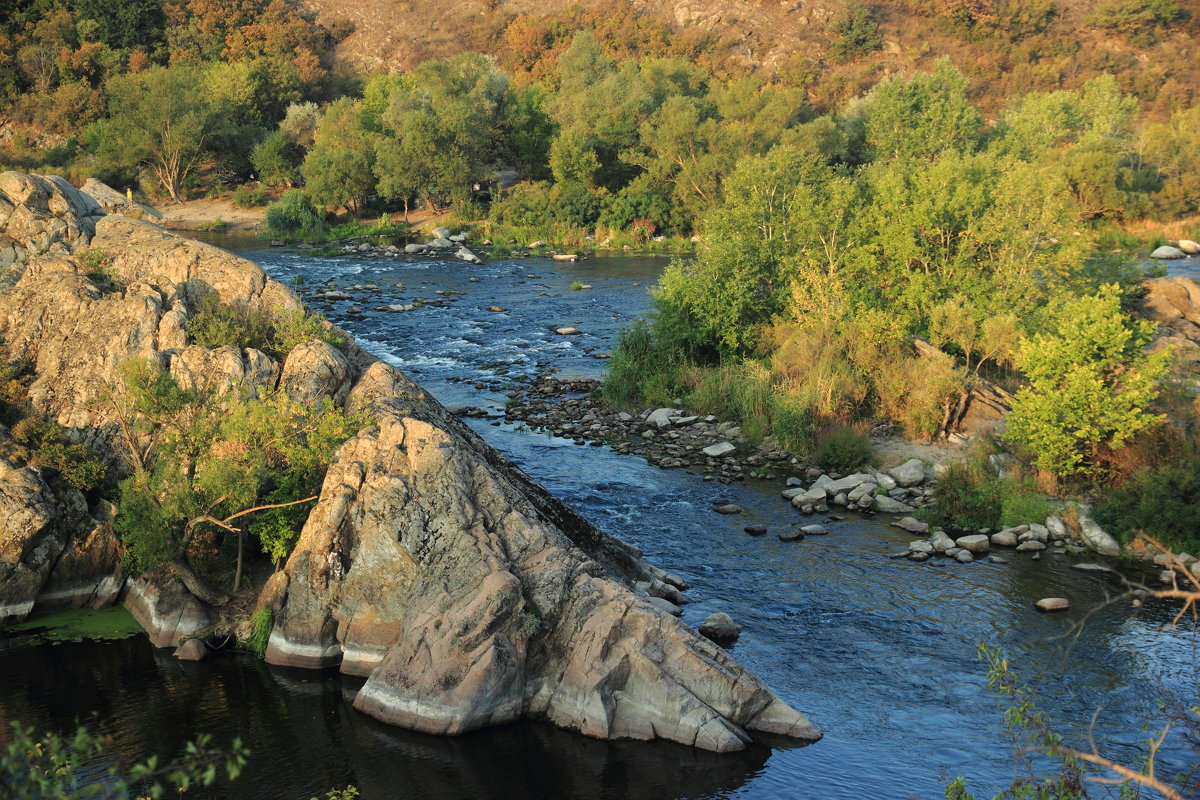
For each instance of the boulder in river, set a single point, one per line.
(1168, 252)
(1188, 247)
(720, 628)
(912, 525)
(910, 473)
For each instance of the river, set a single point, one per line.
(881, 654)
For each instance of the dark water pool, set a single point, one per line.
(881, 654)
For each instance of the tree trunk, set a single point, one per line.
(196, 585)
(237, 575)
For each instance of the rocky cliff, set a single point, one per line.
(466, 593)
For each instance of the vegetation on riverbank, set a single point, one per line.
(984, 242)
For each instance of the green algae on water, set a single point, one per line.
(77, 625)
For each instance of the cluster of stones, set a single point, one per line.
(971, 545)
(897, 491)
(666, 437)
(323, 298)
(1177, 568)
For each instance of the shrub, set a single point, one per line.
(215, 324)
(1137, 19)
(971, 496)
(1163, 502)
(250, 196)
(294, 215)
(1091, 382)
(640, 372)
(294, 328)
(74, 464)
(844, 448)
(213, 226)
(854, 33)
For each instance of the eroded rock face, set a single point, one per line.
(1174, 303)
(41, 215)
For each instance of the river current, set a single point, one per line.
(879, 653)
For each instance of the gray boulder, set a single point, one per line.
(910, 473)
(1094, 536)
(1168, 252)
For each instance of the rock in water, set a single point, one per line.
(728, 508)
(1168, 252)
(721, 628)
(1052, 604)
(472, 597)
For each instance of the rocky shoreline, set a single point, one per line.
(671, 439)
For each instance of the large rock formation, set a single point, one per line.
(468, 594)
(1174, 303)
(40, 215)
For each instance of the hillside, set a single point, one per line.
(1005, 48)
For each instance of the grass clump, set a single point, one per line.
(215, 324)
(263, 621)
(294, 216)
(970, 495)
(844, 448)
(213, 226)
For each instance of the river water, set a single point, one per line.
(881, 654)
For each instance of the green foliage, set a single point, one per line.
(213, 226)
(218, 461)
(853, 33)
(52, 767)
(1140, 20)
(1032, 737)
(297, 327)
(250, 196)
(1162, 502)
(277, 160)
(347, 793)
(1090, 384)
(76, 465)
(216, 324)
(641, 371)
(971, 496)
(262, 622)
(294, 215)
(160, 119)
(844, 448)
(922, 116)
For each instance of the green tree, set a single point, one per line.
(277, 159)
(1091, 384)
(922, 116)
(339, 169)
(223, 465)
(162, 120)
(447, 116)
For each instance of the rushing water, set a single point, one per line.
(881, 654)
